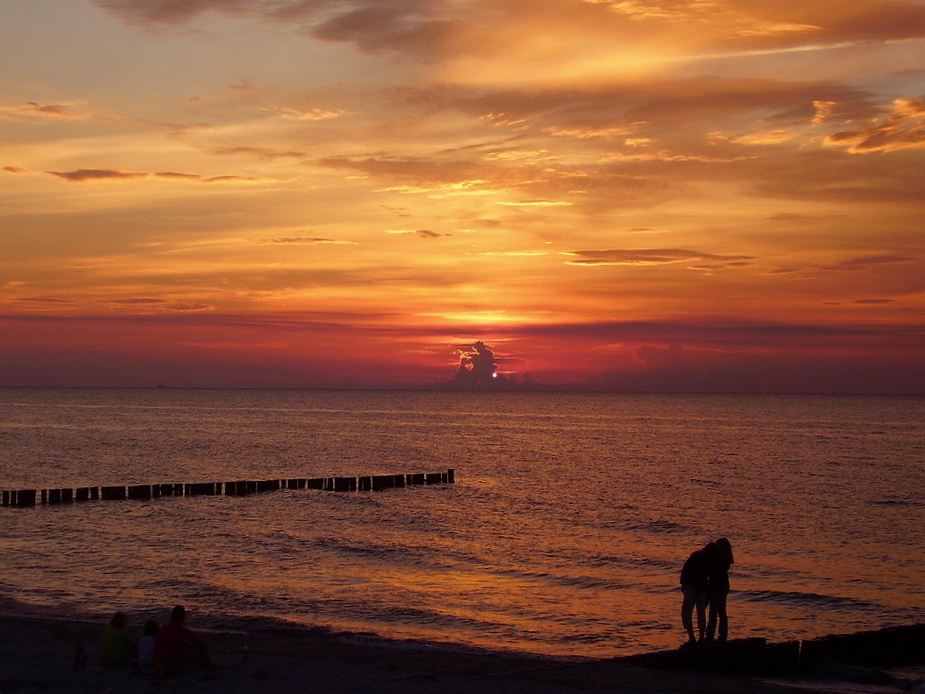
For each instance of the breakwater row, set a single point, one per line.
(26, 498)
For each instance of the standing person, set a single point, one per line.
(720, 562)
(176, 647)
(695, 585)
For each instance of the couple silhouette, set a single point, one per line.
(705, 581)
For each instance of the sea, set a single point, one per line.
(563, 535)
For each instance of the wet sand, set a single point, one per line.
(37, 655)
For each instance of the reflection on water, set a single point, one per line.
(564, 534)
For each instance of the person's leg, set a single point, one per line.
(702, 597)
(711, 622)
(722, 615)
(687, 612)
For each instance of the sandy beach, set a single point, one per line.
(38, 655)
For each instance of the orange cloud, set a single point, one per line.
(655, 256)
(904, 128)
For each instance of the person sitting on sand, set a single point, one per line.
(695, 584)
(176, 647)
(117, 647)
(146, 644)
(719, 562)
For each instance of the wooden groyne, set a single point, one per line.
(754, 657)
(27, 498)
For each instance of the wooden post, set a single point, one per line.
(268, 486)
(113, 493)
(25, 498)
(140, 492)
(381, 482)
(345, 484)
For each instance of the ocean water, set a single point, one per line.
(563, 536)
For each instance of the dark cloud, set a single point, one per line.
(43, 300)
(184, 308)
(434, 29)
(80, 175)
(678, 369)
(478, 369)
(299, 240)
(50, 110)
(15, 169)
(654, 256)
(137, 301)
(228, 178)
(728, 334)
(415, 27)
(660, 356)
(168, 12)
(390, 26)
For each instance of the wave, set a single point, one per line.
(915, 503)
(657, 526)
(833, 602)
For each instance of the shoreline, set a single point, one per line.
(39, 656)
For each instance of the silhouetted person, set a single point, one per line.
(117, 647)
(720, 561)
(146, 644)
(176, 647)
(695, 584)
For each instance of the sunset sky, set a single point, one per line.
(719, 195)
